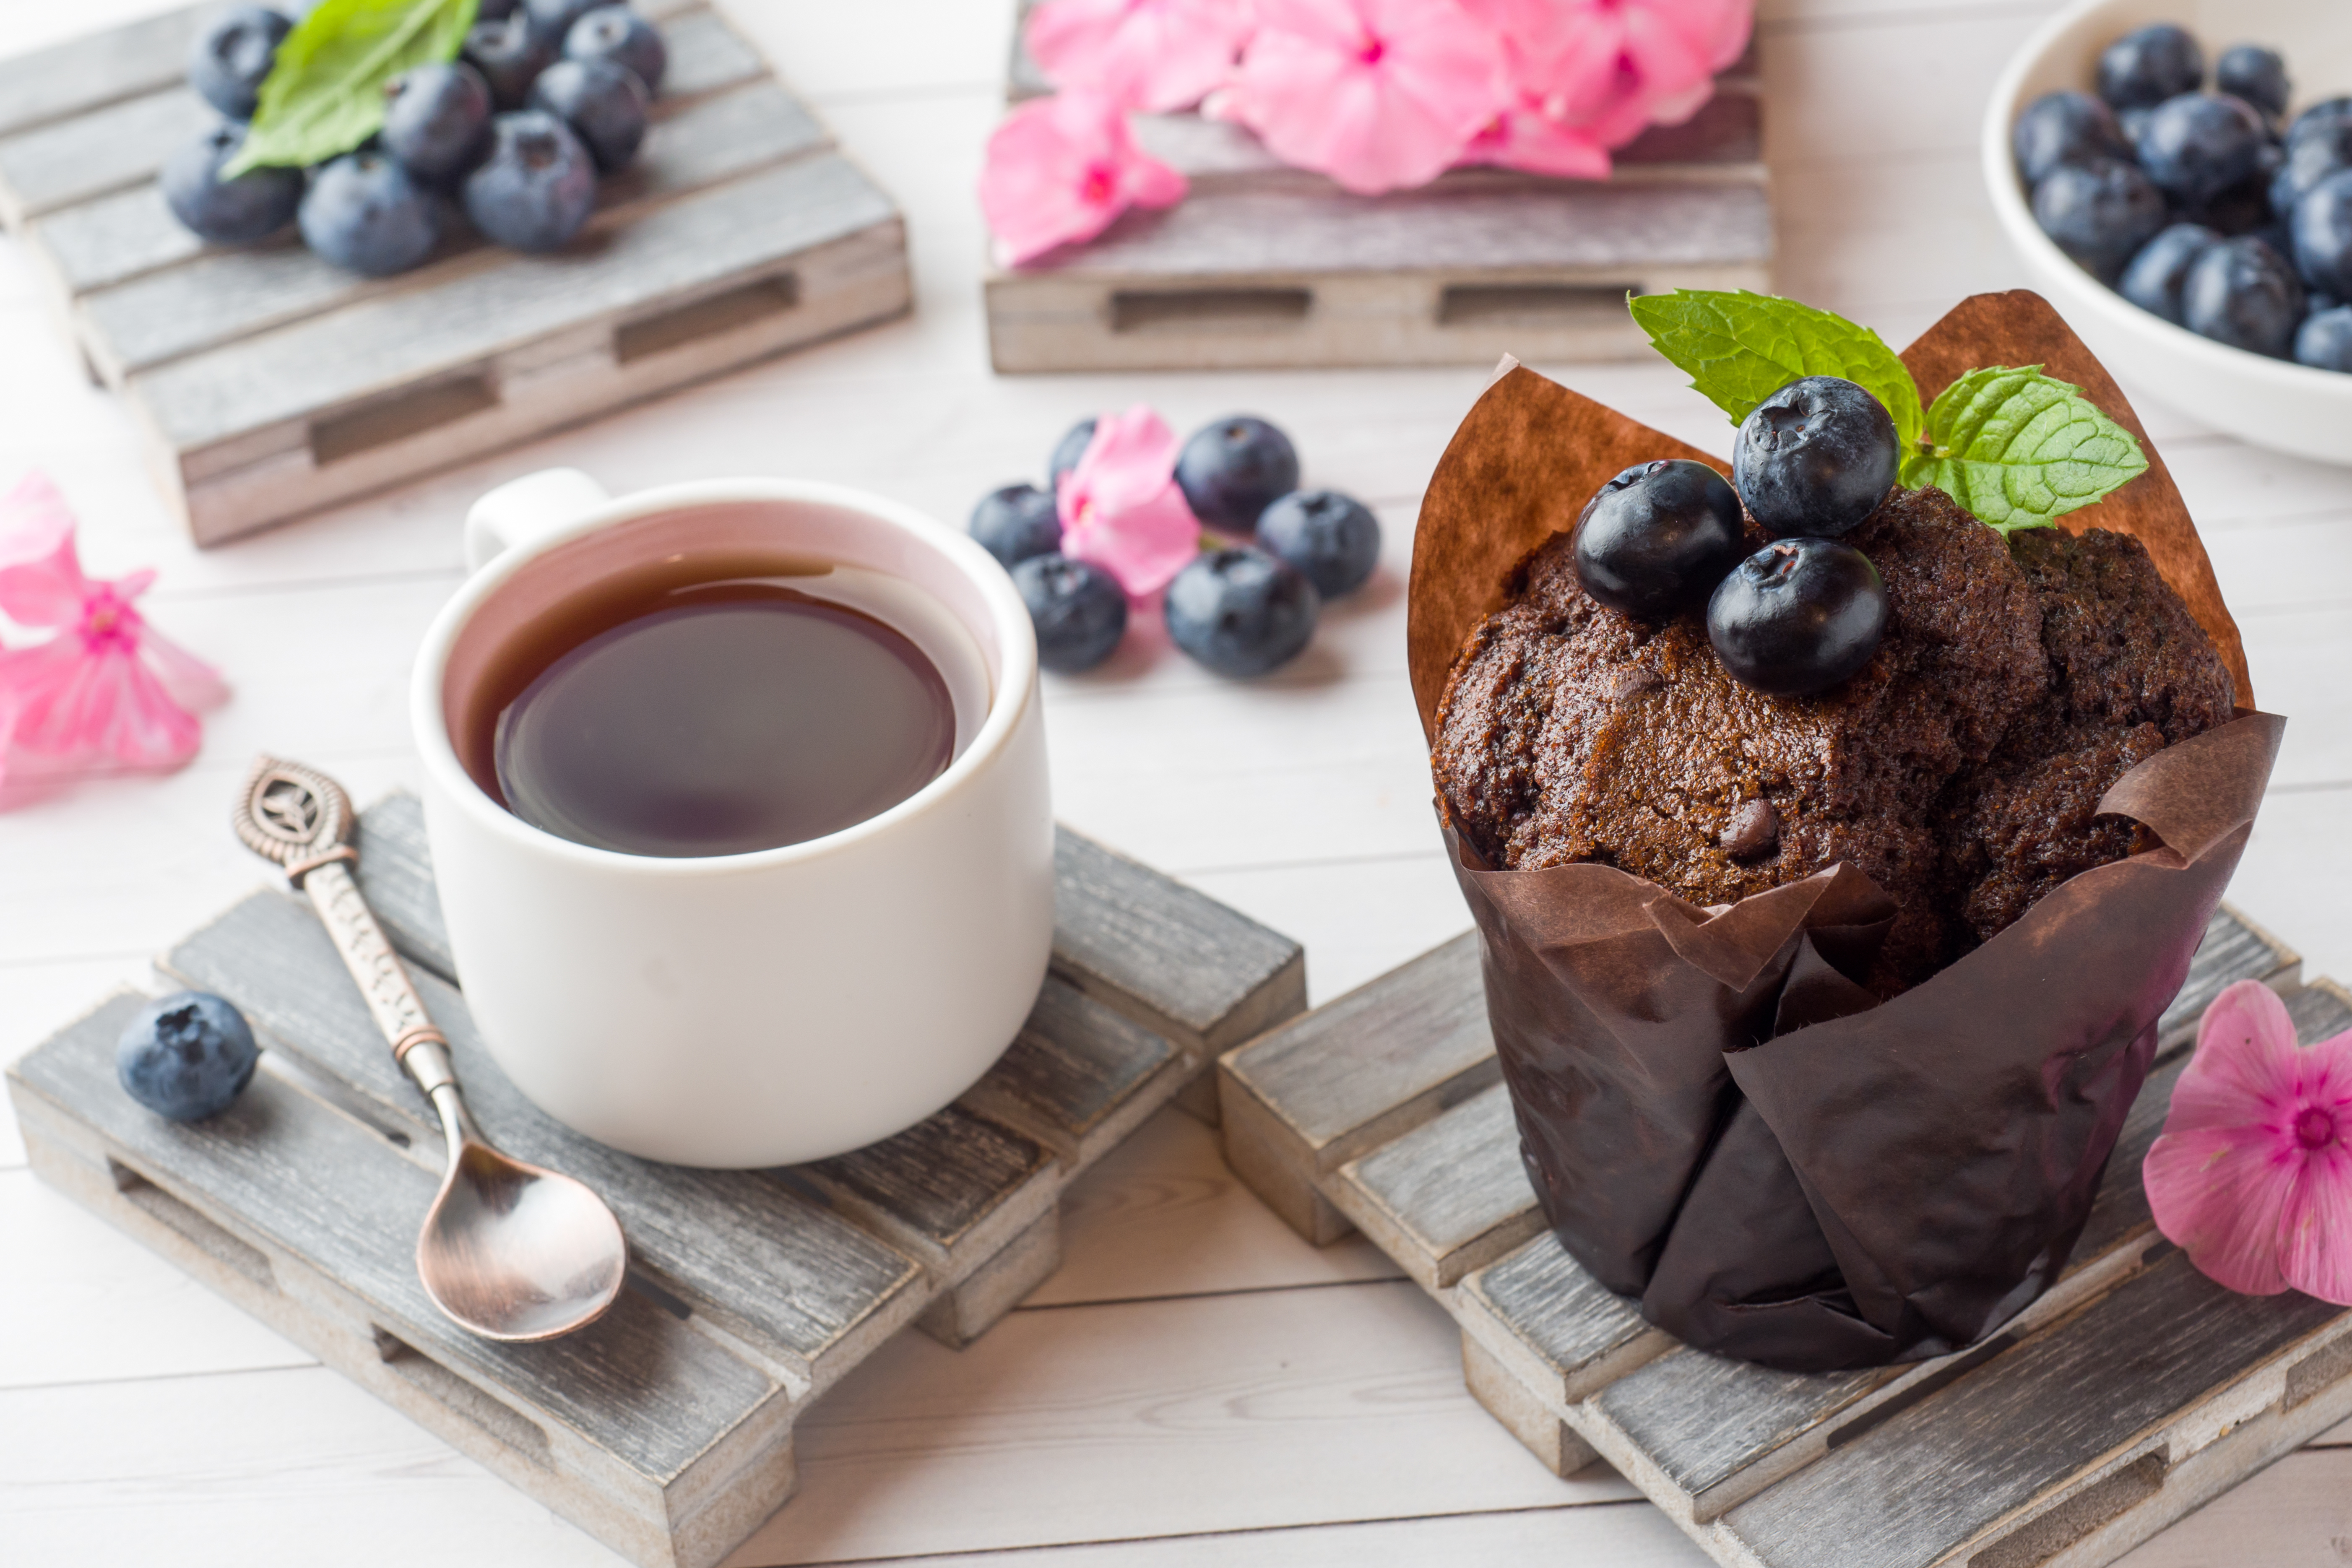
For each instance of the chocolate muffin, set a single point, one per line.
(1961, 770)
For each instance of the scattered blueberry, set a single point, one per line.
(254, 205)
(1080, 612)
(2064, 127)
(554, 19)
(436, 120)
(1798, 616)
(2099, 213)
(2157, 274)
(1016, 522)
(2255, 74)
(1230, 471)
(2310, 158)
(617, 34)
(509, 56)
(2142, 68)
(1656, 539)
(495, 10)
(232, 55)
(2323, 235)
(364, 211)
(1815, 458)
(2242, 293)
(1067, 453)
(536, 186)
(1333, 539)
(605, 103)
(187, 1055)
(2325, 339)
(2199, 145)
(1240, 611)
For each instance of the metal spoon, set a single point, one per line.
(508, 1251)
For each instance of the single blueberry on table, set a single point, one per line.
(2242, 293)
(252, 206)
(1240, 612)
(436, 120)
(1655, 540)
(1078, 609)
(1231, 471)
(2064, 127)
(617, 34)
(536, 186)
(186, 1056)
(2099, 213)
(365, 211)
(232, 55)
(1815, 458)
(2324, 339)
(509, 56)
(599, 101)
(2199, 145)
(1333, 539)
(2308, 159)
(1067, 453)
(2255, 74)
(2144, 67)
(2323, 235)
(1015, 522)
(2161, 271)
(1798, 616)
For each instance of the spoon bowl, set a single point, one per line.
(515, 1253)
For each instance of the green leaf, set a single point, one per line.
(2018, 449)
(324, 95)
(1741, 348)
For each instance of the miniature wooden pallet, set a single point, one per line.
(268, 382)
(2133, 1391)
(1261, 265)
(664, 1429)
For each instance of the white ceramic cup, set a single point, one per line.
(755, 1009)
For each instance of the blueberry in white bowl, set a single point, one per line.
(2241, 292)
(2066, 127)
(2099, 213)
(2198, 145)
(232, 56)
(2255, 74)
(1240, 612)
(186, 1056)
(1799, 617)
(603, 102)
(2157, 275)
(2150, 64)
(538, 185)
(1016, 521)
(2325, 339)
(436, 120)
(2322, 228)
(1816, 458)
(2306, 159)
(1655, 540)
(1078, 609)
(365, 211)
(1333, 539)
(1233, 469)
(617, 34)
(240, 211)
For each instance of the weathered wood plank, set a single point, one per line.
(1449, 1196)
(954, 1188)
(2235, 949)
(1070, 1076)
(68, 161)
(1564, 1333)
(706, 56)
(87, 73)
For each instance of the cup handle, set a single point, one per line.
(530, 508)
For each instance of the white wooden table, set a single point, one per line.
(1193, 1371)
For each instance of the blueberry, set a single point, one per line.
(1016, 522)
(232, 55)
(2317, 120)
(1079, 611)
(2064, 127)
(2323, 235)
(2242, 293)
(1798, 616)
(2099, 213)
(1815, 458)
(536, 186)
(186, 1056)
(436, 120)
(2157, 274)
(1240, 612)
(2131, 122)
(2310, 158)
(2198, 144)
(617, 34)
(554, 19)
(1067, 453)
(1229, 471)
(364, 211)
(495, 10)
(254, 205)
(601, 101)
(1333, 539)
(2142, 68)
(2244, 207)
(1655, 540)
(2325, 339)
(2255, 74)
(509, 56)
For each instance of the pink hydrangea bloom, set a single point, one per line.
(1120, 508)
(1060, 169)
(1149, 55)
(107, 689)
(1378, 94)
(2252, 1177)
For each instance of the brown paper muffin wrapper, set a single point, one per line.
(1715, 1118)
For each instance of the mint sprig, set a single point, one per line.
(324, 94)
(2014, 447)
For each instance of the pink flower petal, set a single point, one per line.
(1060, 169)
(1526, 138)
(186, 678)
(1144, 546)
(41, 581)
(1149, 55)
(2316, 1230)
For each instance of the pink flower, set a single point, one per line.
(106, 689)
(1378, 94)
(2252, 1177)
(1527, 137)
(1060, 169)
(1614, 68)
(1120, 508)
(1147, 54)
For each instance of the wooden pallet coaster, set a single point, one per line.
(268, 382)
(664, 1429)
(2130, 1394)
(1261, 265)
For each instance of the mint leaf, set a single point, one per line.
(324, 95)
(1741, 348)
(2018, 449)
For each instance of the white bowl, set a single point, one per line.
(2270, 403)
